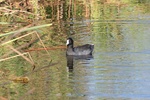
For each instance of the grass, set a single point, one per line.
(6, 44)
(22, 30)
(20, 22)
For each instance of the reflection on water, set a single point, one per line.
(70, 60)
(70, 63)
(119, 68)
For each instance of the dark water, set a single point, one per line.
(118, 69)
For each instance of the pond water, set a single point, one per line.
(118, 69)
(120, 65)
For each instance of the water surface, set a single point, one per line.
(118, 69)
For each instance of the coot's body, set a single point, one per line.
(86, 49)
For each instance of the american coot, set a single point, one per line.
(86, 49)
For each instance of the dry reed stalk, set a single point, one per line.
(16, 39)
(30, 56)
(42, 42)
(9, 11)
(27, 59)
(15, 33)
(4, 59)
(21, 47)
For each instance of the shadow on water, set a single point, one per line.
(70, 60)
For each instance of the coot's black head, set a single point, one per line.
(69, 42)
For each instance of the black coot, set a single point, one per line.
(86, 49)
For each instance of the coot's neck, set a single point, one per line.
(70, 47)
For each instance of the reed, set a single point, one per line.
(26, 29)
(20, 37)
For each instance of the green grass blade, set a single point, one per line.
(3, 23)
(15, 39)
(27, 29)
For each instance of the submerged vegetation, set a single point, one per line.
(24, 21)
(38, 25)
